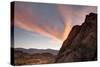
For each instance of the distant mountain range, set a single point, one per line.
(33, 51)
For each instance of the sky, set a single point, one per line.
(46, 26)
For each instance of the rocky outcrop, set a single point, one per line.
(81, 44)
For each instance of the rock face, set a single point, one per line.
(81, 44)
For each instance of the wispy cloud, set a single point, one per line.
(24, 19)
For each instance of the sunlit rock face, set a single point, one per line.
(81, 44)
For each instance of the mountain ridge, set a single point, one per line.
(34, 50)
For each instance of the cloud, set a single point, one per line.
(66, 14)
(26, 19)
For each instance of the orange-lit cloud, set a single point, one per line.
(24, 19)
(66, 14)
(34, 27)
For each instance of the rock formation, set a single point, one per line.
(81, 44)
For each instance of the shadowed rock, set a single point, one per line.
(81, 44)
